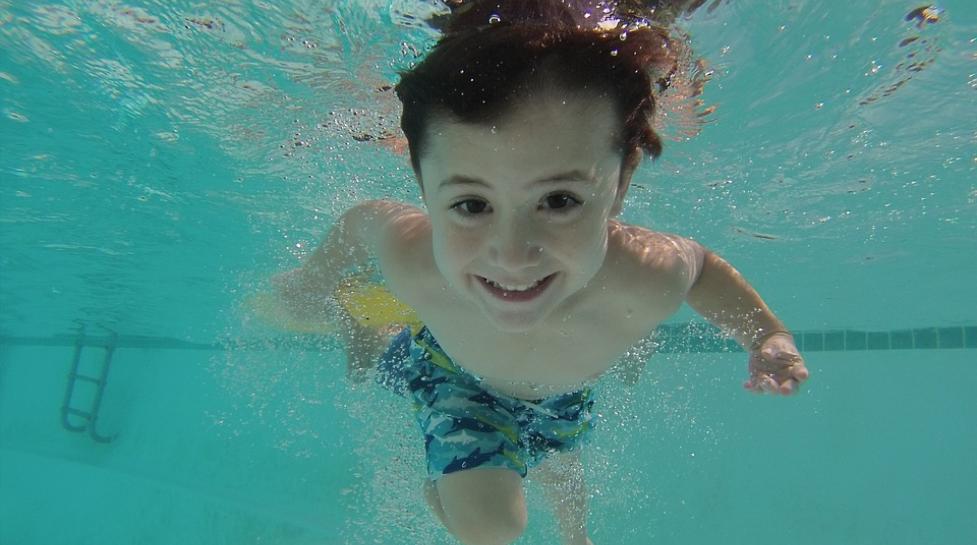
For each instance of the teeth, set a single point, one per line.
(508, 287)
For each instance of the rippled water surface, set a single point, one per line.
(161, 157)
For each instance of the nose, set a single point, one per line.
(514, 245)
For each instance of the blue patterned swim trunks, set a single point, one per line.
(467, 425)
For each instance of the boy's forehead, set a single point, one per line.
(535, 140)
(560, 126)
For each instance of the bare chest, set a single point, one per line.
(620, 307)
(558, 358)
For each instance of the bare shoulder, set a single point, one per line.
(652, 257)
(404, 251)
(405, 226)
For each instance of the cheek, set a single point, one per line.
(454, 248)
(590, 246)
(583, 240)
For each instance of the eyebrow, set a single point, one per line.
(569, 176)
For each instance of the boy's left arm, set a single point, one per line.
(721, 295)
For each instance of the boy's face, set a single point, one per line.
(520, 208)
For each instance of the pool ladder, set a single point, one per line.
(89, 416)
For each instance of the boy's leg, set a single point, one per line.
(480, 506)
(562, 478)
(434, 501)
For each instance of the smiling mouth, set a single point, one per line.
(516, 292)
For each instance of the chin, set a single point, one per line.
(510, 323)
(516, 320)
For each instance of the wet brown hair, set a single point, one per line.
(495, 52)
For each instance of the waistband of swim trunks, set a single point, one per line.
(425, 340)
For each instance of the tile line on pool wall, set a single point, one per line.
(695, 337)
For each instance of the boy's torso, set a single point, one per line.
(639, 285)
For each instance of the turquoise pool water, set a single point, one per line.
(160, 160)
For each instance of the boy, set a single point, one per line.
(525, 125)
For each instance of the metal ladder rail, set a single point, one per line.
(91, 415)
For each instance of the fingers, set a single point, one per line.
(761, 384)
(777, 372)
(776, 367)
(769, 385)
(766, 383)
(788, 387)
(780, 355)
(797, 375)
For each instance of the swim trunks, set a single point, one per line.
(468, 425)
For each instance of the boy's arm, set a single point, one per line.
(307, 292)
(721, 295)
(349, 246)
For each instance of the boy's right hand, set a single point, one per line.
(301, 299)
(363, 346)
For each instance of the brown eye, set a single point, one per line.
(561, 201)
(470, 207)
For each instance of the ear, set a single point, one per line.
(628, 165)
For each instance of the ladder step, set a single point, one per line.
(87, 378)
(90, 416)
(78, 412)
